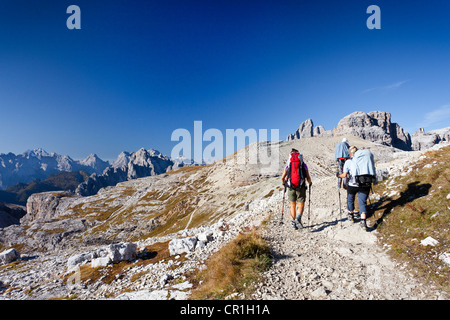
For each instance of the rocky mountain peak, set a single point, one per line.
(305, 130)
(95, 162)
(122, 160)
(375, 126)
(37, 153)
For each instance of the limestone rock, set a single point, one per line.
(122, 251)
(375, 126)
(103, 256)
(182, 245)
(305, 130)
(9, 256)
(100, 262)
(319, 130)
(422, 140)
(43, 205)
(78, 259)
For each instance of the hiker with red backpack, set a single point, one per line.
(294, 175)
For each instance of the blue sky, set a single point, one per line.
(138, 70)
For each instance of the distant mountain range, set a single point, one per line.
(39, 164)
(37, 171)
(128, 166)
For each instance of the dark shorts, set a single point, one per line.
(297, 195)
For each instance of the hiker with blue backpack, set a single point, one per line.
(294, 176)
(341, 155)
(360, 171)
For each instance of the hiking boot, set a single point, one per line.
(299, 221)
(363, 224)
(351, 218)
(294, 225)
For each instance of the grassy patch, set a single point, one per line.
(414, 206)
(233, 268)
(269, 194)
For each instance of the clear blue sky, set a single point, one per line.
(138, 70)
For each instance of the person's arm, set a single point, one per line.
(307, 173)
(308, 177)
(283, 176)
(345, 170)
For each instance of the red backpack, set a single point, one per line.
(296, 172)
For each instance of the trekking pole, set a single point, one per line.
(340, 207)
(282, 210)
(309, 204)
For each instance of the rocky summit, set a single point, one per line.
(375, 126)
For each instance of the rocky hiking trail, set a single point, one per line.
(332, 258)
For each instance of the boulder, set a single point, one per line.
(182, 245)
(122, 251)
(429, 241)
(205, 236)
(114, 253)
(78, 259)
(9, 256)
(100, 262)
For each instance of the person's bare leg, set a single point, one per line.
(300, 209)
(292, 209)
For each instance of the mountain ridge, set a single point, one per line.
(375, 126)
(40, 164)
(128, 166)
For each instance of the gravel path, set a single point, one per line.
(332, 258)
